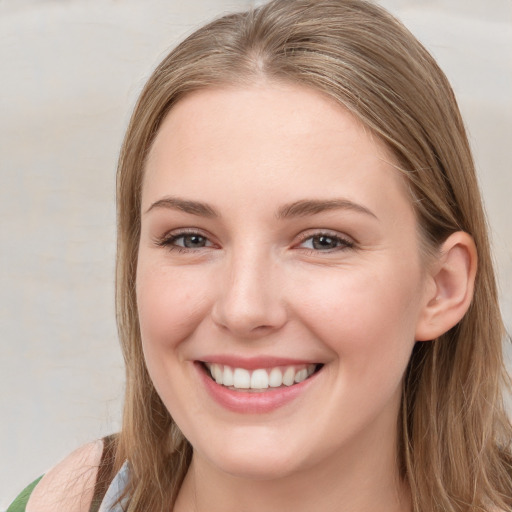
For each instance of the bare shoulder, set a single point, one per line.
(70, 484)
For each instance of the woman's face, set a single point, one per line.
(278, 252)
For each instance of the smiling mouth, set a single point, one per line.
(261, 379)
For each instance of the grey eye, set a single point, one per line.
(191, 241)
(325, 242)
(322, 242)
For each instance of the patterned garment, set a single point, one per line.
(115, 490)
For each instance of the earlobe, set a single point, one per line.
(452, 277)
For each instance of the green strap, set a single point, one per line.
(19, 504)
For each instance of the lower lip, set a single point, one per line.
(253, 402)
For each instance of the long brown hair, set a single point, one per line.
(454, 445)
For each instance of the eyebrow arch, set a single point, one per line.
(185, 205)
(301, 208)
(307, 207)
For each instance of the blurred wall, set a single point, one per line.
(70, 73)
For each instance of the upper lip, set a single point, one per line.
(253, 363)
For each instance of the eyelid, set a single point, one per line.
(326, 232)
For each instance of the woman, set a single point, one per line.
(306, 299)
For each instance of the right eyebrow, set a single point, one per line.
(184, 205)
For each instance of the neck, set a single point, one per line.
(361, 479)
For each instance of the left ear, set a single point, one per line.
(452, 279)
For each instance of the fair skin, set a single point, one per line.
(69, 485)
(247, 273)
(277, 233)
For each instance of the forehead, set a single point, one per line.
(242, 113)
(247, 141)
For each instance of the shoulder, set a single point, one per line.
(70, 484)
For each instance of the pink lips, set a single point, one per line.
(252, 402)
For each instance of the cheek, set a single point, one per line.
(368, 321)
(170, 302)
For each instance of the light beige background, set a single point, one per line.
(70, 73)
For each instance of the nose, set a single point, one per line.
(250, 302)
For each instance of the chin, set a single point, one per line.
(254, 461)
(261, 469)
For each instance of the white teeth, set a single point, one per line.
(227, 377)
(289, 376)
(260, 379)
(301, 375)
(275, 379)
(241, 378)
(217, 373)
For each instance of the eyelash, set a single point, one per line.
(169, 241)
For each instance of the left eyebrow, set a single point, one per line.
(307, 207)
